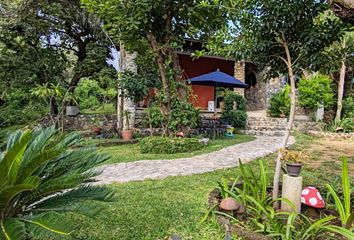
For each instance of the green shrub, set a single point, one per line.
(315, 90)
(167, 145)
(235, 118)
(348, 107)
(232, 98)
(183, 116)
(154, 117)
(234, 112)
(280, 103)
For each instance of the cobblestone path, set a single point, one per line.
(159, 169)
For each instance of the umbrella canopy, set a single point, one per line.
(218, 79)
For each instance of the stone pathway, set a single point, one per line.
(159, 169)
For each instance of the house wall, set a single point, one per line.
(196, 67)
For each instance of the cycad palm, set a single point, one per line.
(42, 177)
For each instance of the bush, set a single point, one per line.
(280, 103)
(183, 116)
(315, 90)
(236, 117)
(167, 145)
(348, 107)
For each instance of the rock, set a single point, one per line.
(204, 141)
(229, 204)
(174, 237)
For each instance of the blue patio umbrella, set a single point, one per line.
(217, 79)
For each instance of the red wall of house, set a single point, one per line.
(195, 67)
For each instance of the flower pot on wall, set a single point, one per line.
(294, 169)
(127, 134)
(96, 130)
(72, 110)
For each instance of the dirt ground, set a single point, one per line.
(325, 151)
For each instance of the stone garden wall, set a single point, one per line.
(83, 122)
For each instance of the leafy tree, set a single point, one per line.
(163, 25)
(48, 42)
(40, 180)
(48, 93)
(282, 35)
(337, 60)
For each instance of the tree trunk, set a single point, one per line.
(288, 62)
(160, 57)
(120, 97)
(340, 91)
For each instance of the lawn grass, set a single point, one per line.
(157, 209)
(131, 152)
(104, 109)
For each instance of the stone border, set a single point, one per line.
(331, 134)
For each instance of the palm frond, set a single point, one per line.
(48, 226)
(12, 229)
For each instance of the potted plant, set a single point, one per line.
(294, 162)
(72, 107)
(127, 132)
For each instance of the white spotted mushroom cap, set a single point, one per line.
(310, 196)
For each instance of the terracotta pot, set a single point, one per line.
(127, 134)
(96, 130)
(294, 169)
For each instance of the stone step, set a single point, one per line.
(266, 128)
(263, 133)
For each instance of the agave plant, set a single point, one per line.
(42, 177)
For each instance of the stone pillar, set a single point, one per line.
(291, 190)
(127, 64)
(239, 73)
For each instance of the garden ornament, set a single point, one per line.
(229, 204)
(180, 134)
(310, 196)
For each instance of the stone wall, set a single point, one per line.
(85, 122)
(240, 75)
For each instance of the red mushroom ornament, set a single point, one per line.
(310, 196)
(180, 134)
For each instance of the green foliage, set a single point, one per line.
(343, 206)
(261, 27)
(348, 107)
(280, 103)
(183, 116)
(40, 179)
(314, 91)
(261, 216)
(231, 99)
(154, 117)
(96, 91)
(136, 86)
(169, 145)
(234, 110)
